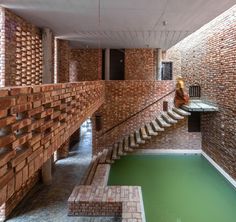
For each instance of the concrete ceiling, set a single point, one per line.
(120, 23)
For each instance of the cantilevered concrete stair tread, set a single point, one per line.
(114, 152)
(162, 122)
(120, 149)
(144, 134)
(156, 126)
(133, 144)
(175, 115)
(126, 145)
(168, 118)
(138, 137)
(150, 130)
(181, 111)
(109, 156)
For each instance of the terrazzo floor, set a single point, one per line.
(49, 203)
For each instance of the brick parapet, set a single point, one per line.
(35, 121)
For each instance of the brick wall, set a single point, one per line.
(208, 58)
(23, 52)
(139, 64)
(2, 47)
(85, 64)
(34, 122)
(123, 99)
(175, 137)
(63, 61)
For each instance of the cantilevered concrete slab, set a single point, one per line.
(200, 106)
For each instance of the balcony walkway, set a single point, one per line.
(49, 204)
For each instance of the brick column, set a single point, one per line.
(47, 44)
(47, 172)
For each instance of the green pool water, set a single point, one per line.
(177, 188)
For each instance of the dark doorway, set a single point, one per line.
(194, 122)
(117, 57)
(103, 64)
(166, 71)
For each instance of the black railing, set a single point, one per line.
(131, 116)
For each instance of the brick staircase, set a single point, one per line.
(130, 143)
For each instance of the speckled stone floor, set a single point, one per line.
(49, 203)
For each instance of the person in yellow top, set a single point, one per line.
(181, 98)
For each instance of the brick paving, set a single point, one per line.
(49, 203)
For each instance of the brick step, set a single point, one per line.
(138, 137)
(126, 145)
(175, 115)
(144, 134)
(115, 152)
(156, 126)
(181, 111)
(150, 131)
(132, 143)
(92, 170)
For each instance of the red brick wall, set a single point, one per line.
(34, 122)
(23, 52)
(85, 64)
(208, 58)
(63, 60)
(2, 47)
(125, 98)
(175, 137)
(139, 64)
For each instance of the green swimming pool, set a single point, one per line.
(177, 188)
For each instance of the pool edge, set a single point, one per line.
(189, 152)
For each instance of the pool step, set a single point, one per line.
(138, 138)
(144, 134)
(168, 119)
(150, 130)
(175, 115)
(181, 111)
(114, 152)
(156, 126)
(133, 144)
(162, 122)
(126, 145)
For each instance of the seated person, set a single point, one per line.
(181, 98)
